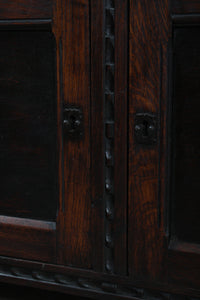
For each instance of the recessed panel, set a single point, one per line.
(28, 151)
(186, 135)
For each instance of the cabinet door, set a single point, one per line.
(62, 124)
(29, 153)
(164, 231)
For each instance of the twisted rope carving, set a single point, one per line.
(109, 131)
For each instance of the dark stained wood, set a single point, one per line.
(24, 9)
(28, 153)
(97, 130)
(185, 6)
(183, 257)
(99, 284)
(75, 76)
(109, 123)
(26, 24)
(114, 59)
(155, 253)
(57, 30)
(120, 148)
(185, 139)
(30, 239)
(148, 40)
(184, 268)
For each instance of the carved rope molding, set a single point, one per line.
(109, 41)
(86, 284)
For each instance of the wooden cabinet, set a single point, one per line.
(100, 147)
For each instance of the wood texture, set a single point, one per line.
(27, 110)
(30, 240)
(86, 283)
(24, 9)
(75, 214)
(105, 243)
(147, 92)
(121, 136)
(155, 254)
(97, 141)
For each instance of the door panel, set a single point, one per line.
(147, 95)
(74, 86)
(73, 146)
(186, 139)
(28, 125)
(28, 150)
(164, 177)
(184, 222)
(64, 132)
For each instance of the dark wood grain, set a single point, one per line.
(57, 30)
(98, 243)
(24, 9)
(97, 129)
(148, 38)
(87, 283)
(30, 239)
(74, 32)
(120, 137)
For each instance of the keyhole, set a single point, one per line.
(145, 128)
(72, 121)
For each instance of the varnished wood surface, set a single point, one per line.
(148, 35)
(24, 9)
(70, 255)
(29, 241)
(185, 6)
(97, 141)
(154, 253)
(72, 19)
(121, 137)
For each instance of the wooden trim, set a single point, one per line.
(121, 136)
(109, 134)
(22, 222)
(26, 24)
(147, 94)
(85, 283)
(184, 247)
(33, 240)
(186, 19)
(97, 132)
(185, 6)
(73, 59)
(25, 9)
